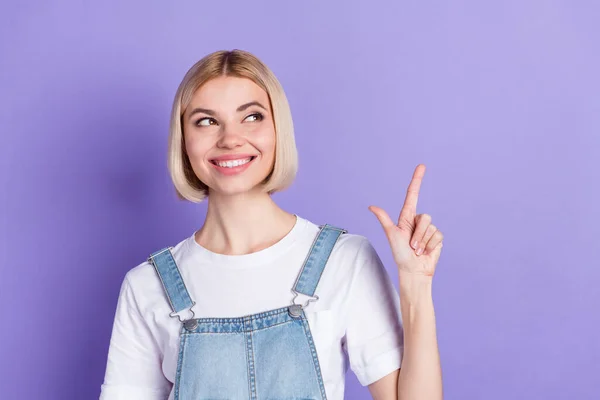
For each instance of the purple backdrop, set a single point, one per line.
(500, 100)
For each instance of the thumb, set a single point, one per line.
(384, 219)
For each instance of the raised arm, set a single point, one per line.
(416, 246)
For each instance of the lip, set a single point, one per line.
(234, 170)
(228, 157)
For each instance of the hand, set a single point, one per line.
(412, 233)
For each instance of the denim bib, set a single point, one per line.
(269, 355)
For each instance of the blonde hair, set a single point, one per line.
(242, 64)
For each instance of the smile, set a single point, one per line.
(232, 167)
(233, 163)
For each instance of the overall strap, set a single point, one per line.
(172, 282)
(315, 262)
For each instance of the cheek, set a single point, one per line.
(196, 149)
(266, 143)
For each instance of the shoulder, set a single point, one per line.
(349, 246)
(354, 246)
(142, 279)
(351, 253)
(353, 243)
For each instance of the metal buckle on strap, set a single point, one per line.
(295, 309)
(176, 314)
(190, 323)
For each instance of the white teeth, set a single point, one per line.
(232, 163)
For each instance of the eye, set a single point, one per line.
(206, 121)
(254, 117)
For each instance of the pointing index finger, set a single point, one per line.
(412, 194)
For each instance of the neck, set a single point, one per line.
(243, 224)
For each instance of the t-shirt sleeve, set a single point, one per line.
(133, 369)
(374, 334)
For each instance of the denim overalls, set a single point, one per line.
(269, 355)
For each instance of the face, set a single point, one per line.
(230, 135)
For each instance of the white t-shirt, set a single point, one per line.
(356, 322)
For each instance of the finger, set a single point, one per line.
(409, 209)
(435, 240)
(383, 217)
(436, 252)
(423, 222)
(431, 229)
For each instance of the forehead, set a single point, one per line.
(228, 92)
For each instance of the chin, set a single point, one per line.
(235, 190)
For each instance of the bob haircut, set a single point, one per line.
(241, 64)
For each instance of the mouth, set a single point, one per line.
(233, 163)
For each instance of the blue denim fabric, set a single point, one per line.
(270, 355)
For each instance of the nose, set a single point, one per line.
(230, 138)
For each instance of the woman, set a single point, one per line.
(213, 316)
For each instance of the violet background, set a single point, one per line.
(500, 100)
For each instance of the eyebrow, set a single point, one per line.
(239, 109)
